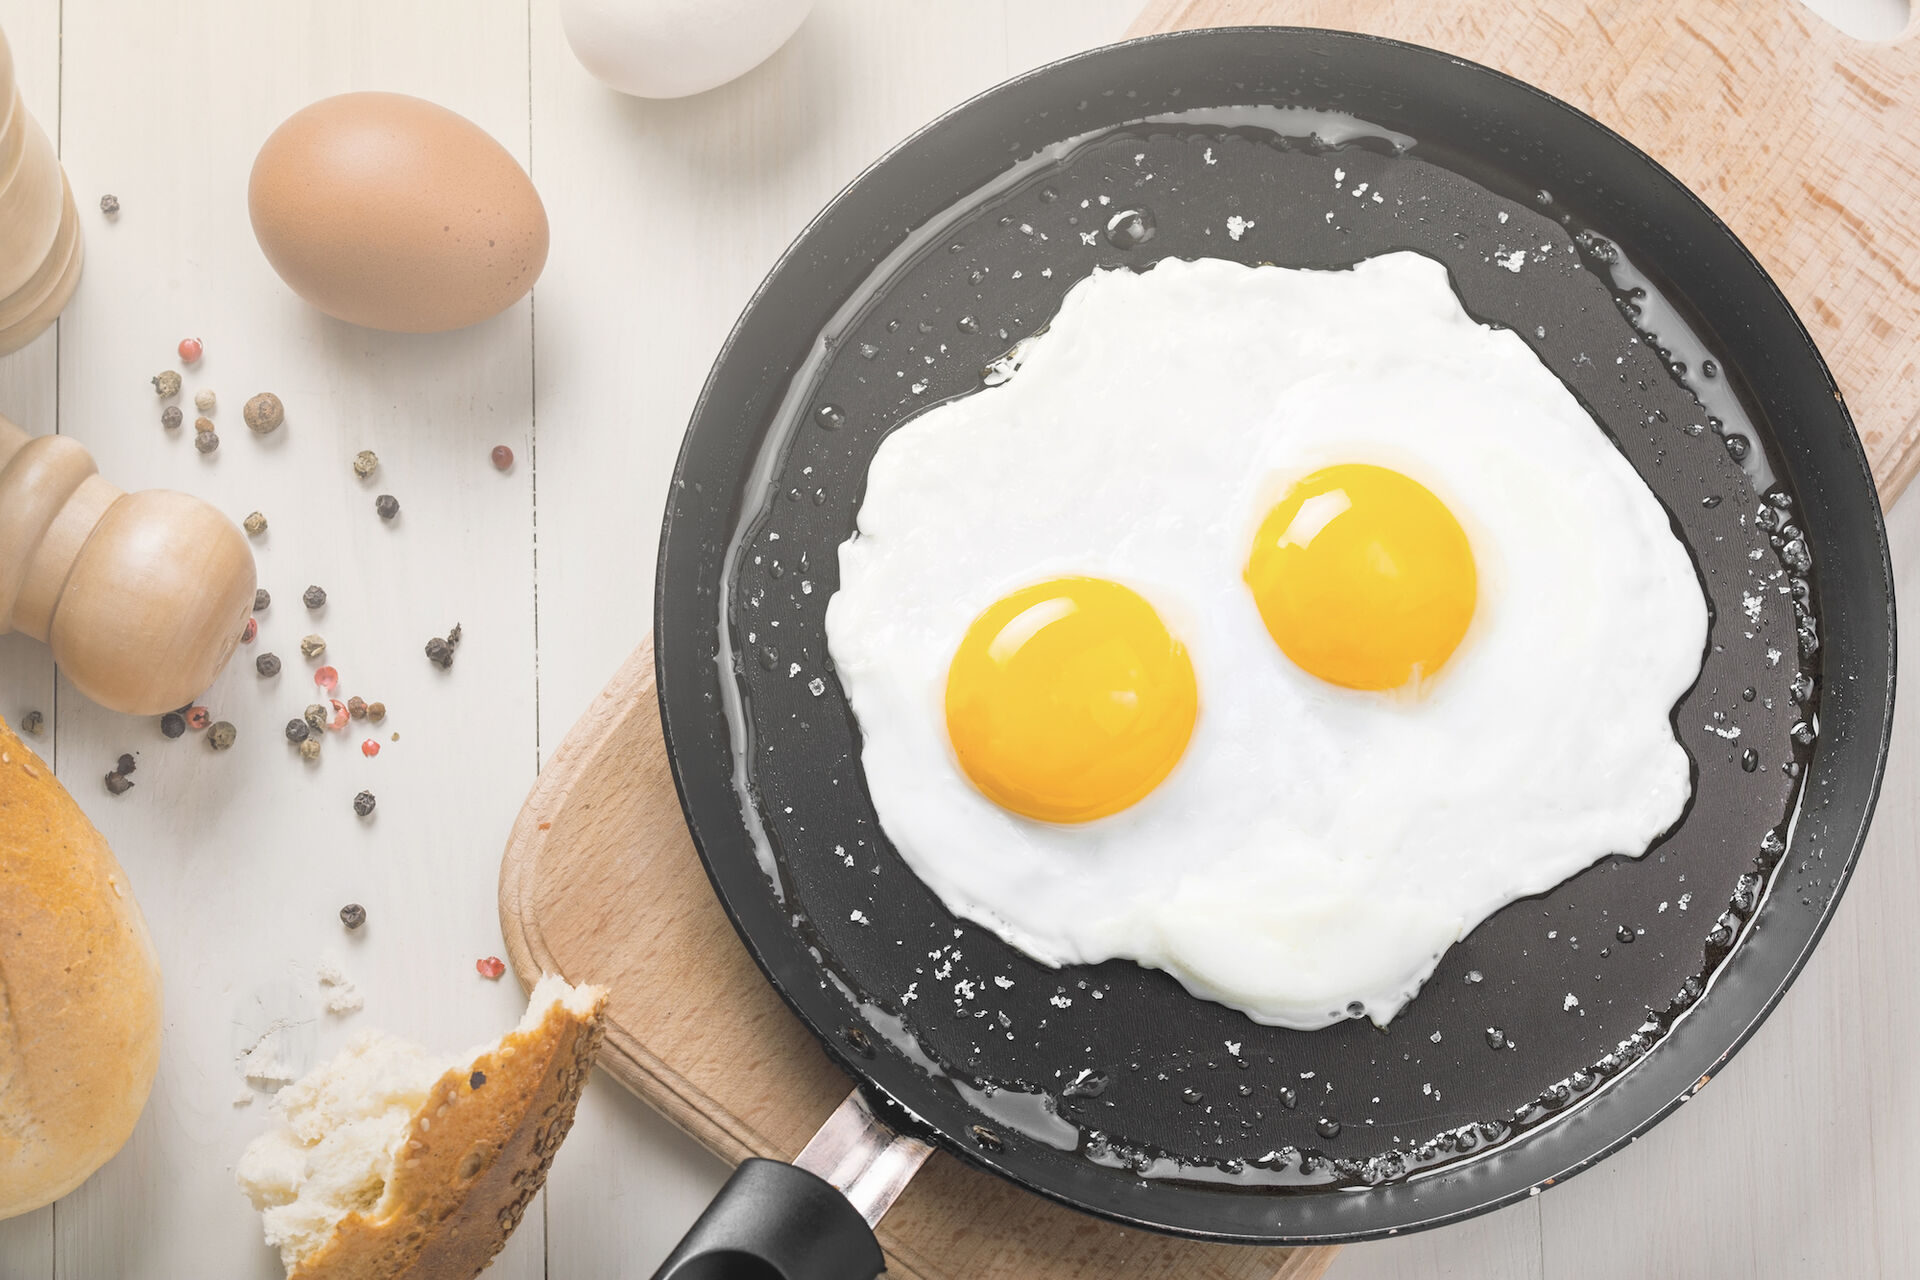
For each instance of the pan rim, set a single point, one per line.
(668, 652)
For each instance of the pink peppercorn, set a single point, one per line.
(253, 629)
(339, 718)
(369, 748)
(327, 678)
(198, 718)
(190, 350)
(502, 457)
(491, 967)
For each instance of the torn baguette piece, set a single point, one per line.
(389, 1162)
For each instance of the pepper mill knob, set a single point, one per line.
(142, 596)
(40, 245)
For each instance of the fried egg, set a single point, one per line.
(1268, 627)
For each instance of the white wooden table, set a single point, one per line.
(1797, 1161)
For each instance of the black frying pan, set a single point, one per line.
(1132, 1099)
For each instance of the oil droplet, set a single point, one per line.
(1288, 1098)
(769, 658)
(830, 416)
(1496, 1038)
(1048, 195)
(1749, 693)
(967, 324)
(987, 1139)
(1710, 501)
(1624, 933)
(1190, 1096)
(1738, 446)
(1327, 1127)
(1749, 759)
(1130, 228)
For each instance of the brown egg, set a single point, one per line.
(394, 213)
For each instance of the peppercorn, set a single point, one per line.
(173, 724)
(312, 646)
(171, 417)
(267, 664)
(314, 597)
(316, 718)
(206, 440)
(221, 735)
(297, 731)
(502, 457)
(376, 711)
(190, 350)
(110, 205)
(198, 718)
(369, 748)
(477, 1079)
(365, 463)
(327, 678)
(118, 783)
(439, 653)
(357, 707)
(310, 749)
(338, 720)
(248, 632)
(166, 383)
(125, 764)
(353, 915)
(33, 722)
(387, 506)
(490, 968)
(204, 400)
(261, 600)
(263, 413)
(363, 803)
(255, 524)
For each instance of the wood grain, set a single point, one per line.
(600, 880)
(1804, 140)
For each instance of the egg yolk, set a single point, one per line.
(1069, 700)
(1363, 577)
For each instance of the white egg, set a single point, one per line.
(672, 48)
(1317, 848)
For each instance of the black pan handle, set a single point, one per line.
(776, 1221)
(809, 1220)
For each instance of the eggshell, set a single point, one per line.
(391, 212)
(672, 48)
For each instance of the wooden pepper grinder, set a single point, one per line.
(142, 596)
(40, 247)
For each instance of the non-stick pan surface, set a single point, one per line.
(1559, 1028)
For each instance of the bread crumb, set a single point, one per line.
(264, 1063)
(341, 996)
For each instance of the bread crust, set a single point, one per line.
(474, 1157)
(79, 990)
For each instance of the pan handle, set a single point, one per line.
(809, 1220)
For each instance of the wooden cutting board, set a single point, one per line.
(1804, 140)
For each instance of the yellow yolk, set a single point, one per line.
(1363, 577)
(1069, 700)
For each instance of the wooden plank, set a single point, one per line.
(28, 386)
(242, 859)
(1803, 139)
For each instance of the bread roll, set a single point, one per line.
(79, 990)
(388, 1162)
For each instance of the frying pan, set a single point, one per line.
(1558, 1029)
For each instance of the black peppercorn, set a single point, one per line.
(363, 803)
(316, 718)
(297, 731)
(387, 505)
(477, 1079)
(261, 600)
(267, 664)
(439, 653)
(125, 764)
(221, 734)
(314, 597)
(118, 784)
(33, 722)
(171, 417)
(353, 915)
(173, 724)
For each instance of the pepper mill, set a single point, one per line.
(142, 596)
(40, 246)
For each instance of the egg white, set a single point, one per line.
(1317, 849)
